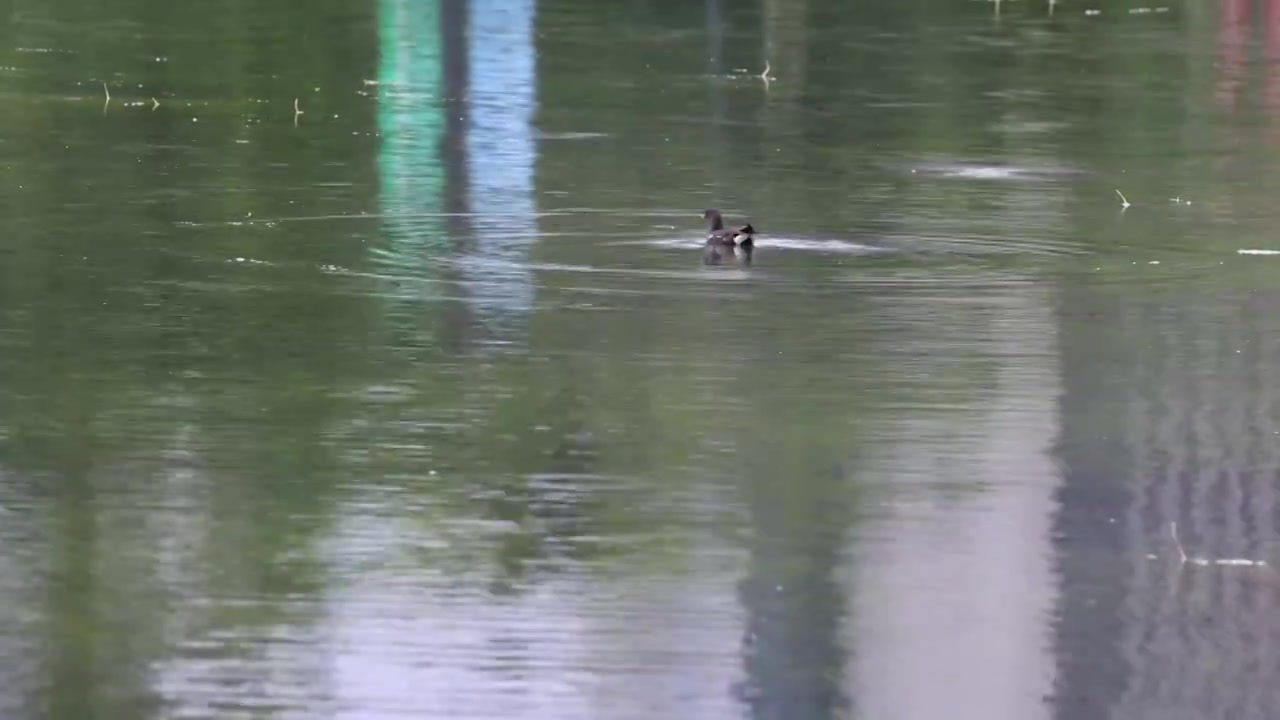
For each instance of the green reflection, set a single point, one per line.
(411, 121)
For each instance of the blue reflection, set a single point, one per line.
(500, 158)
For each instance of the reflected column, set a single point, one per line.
(411, 121)
(500, 152)
(1089, 622)
(793, 651)
(786, 48)
(1271, 92)
(952, 602)
(1232, 51)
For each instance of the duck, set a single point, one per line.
(719, 235)
(727, 243)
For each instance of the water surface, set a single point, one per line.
(359, 360)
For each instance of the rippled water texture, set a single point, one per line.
(360, 360)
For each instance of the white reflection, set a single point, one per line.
(954, 595)
(416, 639)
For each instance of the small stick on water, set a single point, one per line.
(296, 112)
(154, 104)
(1173, 530)
(1182, 554)
(108, 100)
(1124, 204)
(764, 75)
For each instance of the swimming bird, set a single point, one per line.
(718, 234)
(723, 243)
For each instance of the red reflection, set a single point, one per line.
(1271, 70)
(1233, 51)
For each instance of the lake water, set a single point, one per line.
(359, 360)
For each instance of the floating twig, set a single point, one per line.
(154, 103)
(108, 100)
(1173, 530)
(765, 76)
(1182, 554)
(1124, 204)
(296, 112)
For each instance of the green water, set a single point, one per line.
(421, 402)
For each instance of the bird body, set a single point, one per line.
(721, 241)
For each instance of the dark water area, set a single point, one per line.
(359, 360)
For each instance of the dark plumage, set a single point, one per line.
(718, 234)
(722, 241)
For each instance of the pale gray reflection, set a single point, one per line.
(236, 643)
(954, 588)
(23, 565)
(428, 639)
(953, 585)
(500, 153)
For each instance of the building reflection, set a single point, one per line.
(1089, 622)
(1167, 416)
(456, 92)
(953, 586)
(499, 154)
(411, 122)
(1181, 428)
(1232, 52)
(795, 641)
